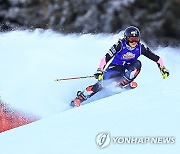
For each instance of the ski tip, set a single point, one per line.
(133, 85)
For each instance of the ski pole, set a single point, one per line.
(75, 78)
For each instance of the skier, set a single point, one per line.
(124, 64)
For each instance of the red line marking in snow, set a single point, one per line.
(11, 118)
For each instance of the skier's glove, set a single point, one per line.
(164, 72)
(99, 74)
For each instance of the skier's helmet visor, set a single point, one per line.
(133, 39)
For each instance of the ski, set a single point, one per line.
(79, 99)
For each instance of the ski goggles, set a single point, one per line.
(133, 39)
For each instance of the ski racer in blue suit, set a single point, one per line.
(123, 64)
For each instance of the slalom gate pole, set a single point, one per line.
(75, 78)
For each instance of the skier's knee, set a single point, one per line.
(133, 70)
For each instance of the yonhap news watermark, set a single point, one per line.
(104, 139)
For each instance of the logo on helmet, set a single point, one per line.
(134, 33)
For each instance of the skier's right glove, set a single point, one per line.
(99, 74)
(164, 72)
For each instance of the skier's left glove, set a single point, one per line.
(99, 74)
(164, 72)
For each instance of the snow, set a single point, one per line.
(29, 63)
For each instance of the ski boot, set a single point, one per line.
(78, 100)
(125, 83)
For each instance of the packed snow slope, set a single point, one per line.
(29, 63)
